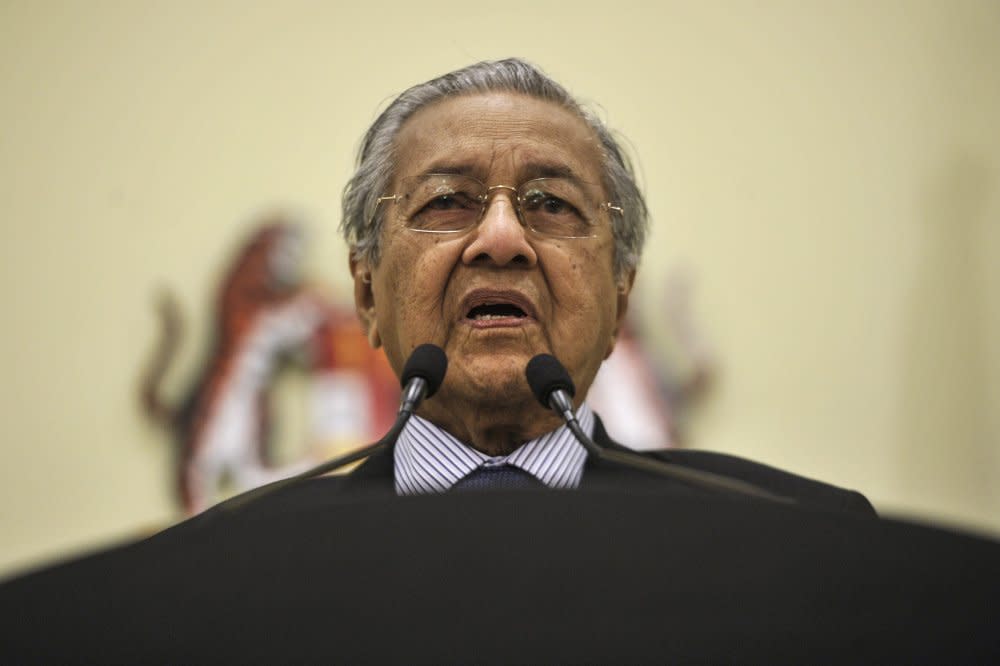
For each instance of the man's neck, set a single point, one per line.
(494, 431)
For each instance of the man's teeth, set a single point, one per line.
(494, 311)
(492, 316)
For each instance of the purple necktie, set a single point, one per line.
(497, 477)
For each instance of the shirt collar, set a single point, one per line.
(428, 459)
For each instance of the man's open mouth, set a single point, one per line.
(495, 311)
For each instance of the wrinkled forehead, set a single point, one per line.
(498, 137)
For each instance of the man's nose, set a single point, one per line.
(500, 238)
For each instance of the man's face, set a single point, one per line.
(435, 287)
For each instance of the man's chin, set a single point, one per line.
(487, 380)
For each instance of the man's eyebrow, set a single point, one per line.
(543, 170)
(450, 168)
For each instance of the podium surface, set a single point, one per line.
(539, 577)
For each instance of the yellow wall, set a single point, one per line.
(828, 170)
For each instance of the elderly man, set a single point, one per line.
(493, 216)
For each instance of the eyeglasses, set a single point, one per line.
(450, 204)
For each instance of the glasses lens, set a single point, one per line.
(556, 207)
(441, 203)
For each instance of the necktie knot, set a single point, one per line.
(497, 477)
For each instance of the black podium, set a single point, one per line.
(608, 577)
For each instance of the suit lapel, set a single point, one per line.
(376, 473)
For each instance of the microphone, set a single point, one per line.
(422, 376)
(554, 388)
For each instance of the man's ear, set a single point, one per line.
(364, 298)
(621, 302)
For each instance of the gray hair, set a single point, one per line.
(376, 155)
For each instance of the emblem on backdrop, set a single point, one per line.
(266, 319)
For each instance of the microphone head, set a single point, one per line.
(546, 374)
(428, 362)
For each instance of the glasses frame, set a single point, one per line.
(488, 192)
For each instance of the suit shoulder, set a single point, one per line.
(809, 492)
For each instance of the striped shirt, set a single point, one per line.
(428, 459)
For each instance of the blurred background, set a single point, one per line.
(824, 174)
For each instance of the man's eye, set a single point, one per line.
(555, 206)
(451, 211)
(549, 204)
(445, 202)
(453, 201)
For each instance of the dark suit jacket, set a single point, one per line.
(375, 476)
